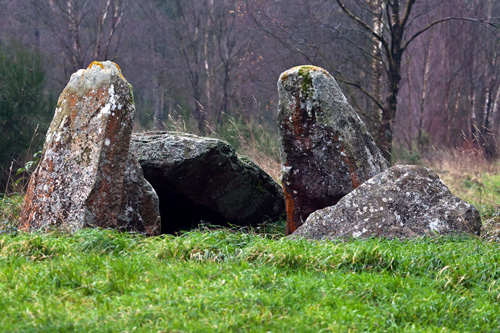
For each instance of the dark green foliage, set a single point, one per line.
(171, 8)
(24, 106)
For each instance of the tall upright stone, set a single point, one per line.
(326, 150)
(86, 176)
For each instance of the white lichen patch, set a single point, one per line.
(105, 110)
(112, 97)
(435, 225)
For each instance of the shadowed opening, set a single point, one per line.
(178, 212)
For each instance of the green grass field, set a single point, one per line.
(223, 280)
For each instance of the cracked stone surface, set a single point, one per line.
(326, 150)
(202, 179)
(401, 202)
(85, 177)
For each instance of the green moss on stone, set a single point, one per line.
(306, 80)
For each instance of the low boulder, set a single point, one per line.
(202, 179)
(85, 177)
(401, 202)
(326, 150)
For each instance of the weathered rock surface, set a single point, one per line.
(202, 179)
(326, 150)
(140, 205)
(86, 177)
(401, 202)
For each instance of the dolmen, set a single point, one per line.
(336, 182)
(203, 179)
(89, 176)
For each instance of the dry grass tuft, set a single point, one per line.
(469, 160)
(250, 138)
(474, 179)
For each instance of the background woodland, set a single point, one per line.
(422, 74)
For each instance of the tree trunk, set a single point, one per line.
(425, 82)
(386, 127)
(377, 8)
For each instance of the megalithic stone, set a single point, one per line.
(86, 176)
(405, 201)
(326, 150)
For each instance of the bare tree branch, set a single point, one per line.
(364, 91)
(468, 19)
(406, 14)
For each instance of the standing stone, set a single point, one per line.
(86, 177)
(326, 150)
(405, 201)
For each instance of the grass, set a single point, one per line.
(223, 280)
(476, 181)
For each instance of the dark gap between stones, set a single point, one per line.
(177, 211)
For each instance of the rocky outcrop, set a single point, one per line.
(202, 179)
(86, 177)
(401, 202)
(326, 150)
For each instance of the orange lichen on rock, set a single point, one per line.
(97, 63)
(100, 64)
(292, 217)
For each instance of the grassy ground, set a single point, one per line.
(230, 281)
